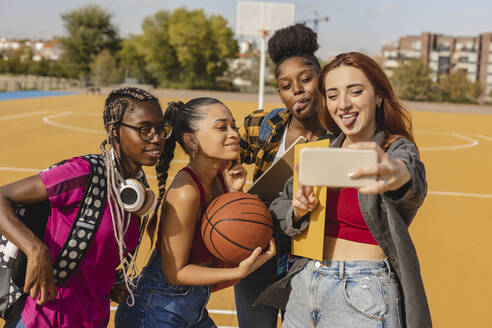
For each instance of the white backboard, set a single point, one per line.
(254, 18)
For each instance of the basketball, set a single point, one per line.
(234, 224)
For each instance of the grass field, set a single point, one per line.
(452, 231)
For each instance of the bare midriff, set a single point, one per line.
(346, 250)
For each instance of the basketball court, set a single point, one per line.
(452, 231)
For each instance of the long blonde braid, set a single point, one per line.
(117, 103)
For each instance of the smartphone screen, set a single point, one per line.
(331, 166)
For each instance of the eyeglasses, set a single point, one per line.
(148, 132)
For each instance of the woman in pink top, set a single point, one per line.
(174, 287)
(136, 131)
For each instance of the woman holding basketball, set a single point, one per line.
(264, 138)
(174, 287)
(135, 134)
(370, 275)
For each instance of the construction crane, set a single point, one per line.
(315, 20)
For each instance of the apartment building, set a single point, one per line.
(471, 54)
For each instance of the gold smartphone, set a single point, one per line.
(331, 166)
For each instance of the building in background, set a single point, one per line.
(443, 54)
(49, 50)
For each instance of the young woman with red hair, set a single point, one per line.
(370, 275)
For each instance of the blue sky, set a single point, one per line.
(360, 25)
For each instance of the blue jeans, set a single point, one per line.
(344, 294)
(20, 324)
(247, 291)
(160, 304)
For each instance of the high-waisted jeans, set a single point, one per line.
(160, 304)
(348, 294)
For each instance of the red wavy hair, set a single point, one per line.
(391, 116)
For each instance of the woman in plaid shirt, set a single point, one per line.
(266, 135)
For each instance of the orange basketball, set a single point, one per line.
(234, 224)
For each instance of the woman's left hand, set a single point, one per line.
(234, 175)
(391, 173)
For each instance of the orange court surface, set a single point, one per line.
(452, 231)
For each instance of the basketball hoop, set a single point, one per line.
(260, 19)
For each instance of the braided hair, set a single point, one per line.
(294, 41)
(117, 104)
(121, 100)
(184, 119)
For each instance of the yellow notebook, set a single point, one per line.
(310, 242)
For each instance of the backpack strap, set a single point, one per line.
(266, 129)
(86, 222)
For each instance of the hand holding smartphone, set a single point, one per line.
(331, 167)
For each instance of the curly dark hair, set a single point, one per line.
(294, 41)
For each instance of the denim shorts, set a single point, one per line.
(344, 294)
(160, 304)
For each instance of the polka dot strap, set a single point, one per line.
(86, 222)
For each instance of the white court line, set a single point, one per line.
(18, 169)
(481, 136)
(47, 120)
(473, 142)
(459, 194)
(431, 192)
(11, 117)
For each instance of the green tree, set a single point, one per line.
(41, 67)
(457, 88)
(89, 31)
(411, 80)
(160, 57)
(14, 65)
(104, 69)
(3, 66)
(186, 48)
(132, 60)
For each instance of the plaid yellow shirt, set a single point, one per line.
(259, 143)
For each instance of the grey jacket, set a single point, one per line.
(388, 216)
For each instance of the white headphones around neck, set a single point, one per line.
(134, 197)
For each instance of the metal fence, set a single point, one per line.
(30, 82)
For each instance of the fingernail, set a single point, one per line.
(351, 174)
